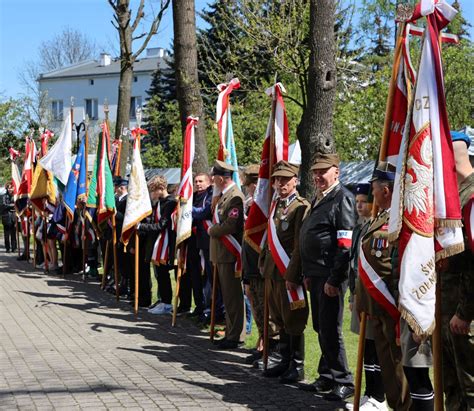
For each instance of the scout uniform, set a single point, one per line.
(457, 297)
(291, 320)
(377, 251)
(228, 221)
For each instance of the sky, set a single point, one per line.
(25, 24)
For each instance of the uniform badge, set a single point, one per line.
(233, 213)
(284, 225)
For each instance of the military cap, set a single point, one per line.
(384, 171)
(119, 181)
(362, 188)
(221, 168)
(325, 161)
(459, 136)
(251, 174)
(285, 169)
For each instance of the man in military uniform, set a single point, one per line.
(376, 258)
(288, 212)
(325, 245)
(457, 295)
(227, 228)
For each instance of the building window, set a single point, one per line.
(134, 103)
(135, 79)
(92, 108)
(57, 110)
(91, 82)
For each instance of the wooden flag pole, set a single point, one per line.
(18, 229)
(45, 244)
(114, 249)
(360, 359)
(213, 302)
(84, 243)
(27, 245)
(137, 248)
(438, 352)
(106, 264)
(34, 235)
(178, 283)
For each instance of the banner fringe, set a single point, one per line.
(411, 321)
(295, 305)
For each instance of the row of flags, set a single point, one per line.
(425, 214)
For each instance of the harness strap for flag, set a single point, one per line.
(282, 260)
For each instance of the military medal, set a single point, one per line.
(378, 253)
(372, 252)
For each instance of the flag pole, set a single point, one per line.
(66, 235)
(106, 265)
(114, 248)
(18, 228)
(213, 301)
(34, 235)
(137, 250)
(179, 252)
(85, 123)
(381, 157)
(266, 309)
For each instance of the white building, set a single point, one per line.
(91, 83)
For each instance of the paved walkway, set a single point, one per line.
(65, 344)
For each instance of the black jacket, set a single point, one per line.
(120, 206)
(151, 230)
(7, 210)
(321, 253)
(202, 211)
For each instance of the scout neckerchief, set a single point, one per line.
(281, 258)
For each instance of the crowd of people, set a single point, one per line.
(308, 261)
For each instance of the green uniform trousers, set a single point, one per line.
(390, 360)
(458, 368)
(293, 322)
(232, 294)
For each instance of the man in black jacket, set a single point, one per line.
(8, 219)
(325, 244)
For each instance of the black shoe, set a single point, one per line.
(195, 313)
(340, 392)
(293, 374)
(226, 344)
(321, 385)
(255, 356)
(276, 370)
(22, 258)
(7, 250)
(182, 311)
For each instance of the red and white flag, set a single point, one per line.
(16, 178)
(24, 188)
(256, 223)
(425, 215)
(138, 200)
(185, 190)
(282, 260)
(222, 113)
(160, 255)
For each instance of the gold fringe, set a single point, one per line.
(447, 223)
(252, 244)
(295, 305)
(238, 274)
(393, 237)
(410, 319)
(450, 251)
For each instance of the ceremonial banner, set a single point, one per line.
(425, 215)
(76, 183)
(58, 160)
(227, 150)
(256, 224)
(138, 199)
(42, 187)
(24, 189)
(16, 179)
(101, 189)
(185, 190)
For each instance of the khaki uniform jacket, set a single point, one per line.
(230, 208)
(288, 219)
(378, 253)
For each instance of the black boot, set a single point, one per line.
(282, 360)
(295, 372)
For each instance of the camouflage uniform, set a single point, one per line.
(457, 297)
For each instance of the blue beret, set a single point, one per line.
(458, 136)
(363, 188)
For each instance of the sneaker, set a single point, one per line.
(40, 266)
(155, 307)
(369, 403)
(161, 309)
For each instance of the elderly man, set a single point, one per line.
(226, 237)
(280, 259)
(325, 246)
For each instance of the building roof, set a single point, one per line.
(355, 172)
(172, 175)
(93, 68)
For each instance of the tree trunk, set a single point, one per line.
(126, 76)
(315, 130)
(187, 87)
